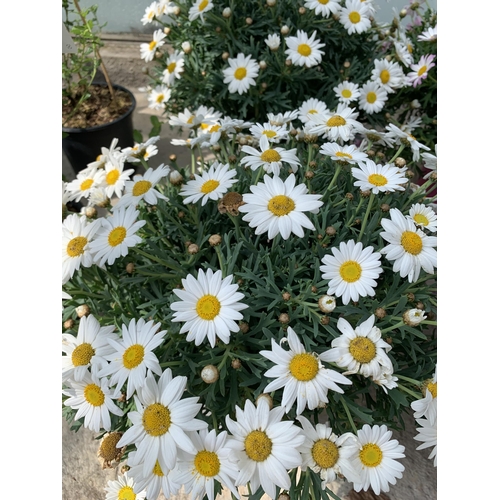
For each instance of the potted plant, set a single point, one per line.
(93, 114)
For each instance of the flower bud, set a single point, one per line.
(288, 62)
(309, 174)
(243, 327)
(380, 313)
(167, 30)
(324, 320)
(176, 10)
(172, 157)
(262, 64)
(271, 3)
(327, 303)
(236, 364)
(226, 12)
(284, 29)
(68, 324)
(90, 212)
(268, 399)
(286, 296)
(349, 196)
(284, 318)
(130, 268)
(225, 56)
(193, 249)
(400, 162)
(330, 231)
(83, 310)
(413, 317)
(215, 240)
(210, 374)
(302, 10)
(385, 207)
(186, 47)
(176, 178)
(249, 21)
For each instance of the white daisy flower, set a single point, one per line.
(114, 181)
(158, 97)
(277, 206)
(373, 136)
(404, 52)
(282, 118)
(86, 181)
(311, 107)
(212, 462)
(376, 461)
(106, 154)
(388, 74)
(346, 154)
(273, 41)
(77, 234)
(116, 235)
(414, 317)
(338, 125)
(328, 454)
(264, 446)
(302, 374)
(209, 307)
(423, 216)
(352, 271)
(98, 198)
(87, 349)
(378, 178)
(241, 73)
(123, 488)
(420, 70)
(409, 247)
(386, 379)
(326, 8)
(211, 184)
(93, 400)
(347, 92)
(355, 17)
(429, 35)
(360, 350)
(148, 50)
(175, 66)
(270, 158)
(140, 150)
(151, 14)
(304, 50)
(403, 137)
(430, 162)
(427, 406)
(159, 427)
(142, 188)
(274, 133)
(132, 357)
(199, 8)
(427, 434)
(153, 480)
(372, 97)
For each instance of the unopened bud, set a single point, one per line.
(249, 21)
(68, 324)
(309, 174)
(349, 196)
(347, 64)
(414, 317)
(286, 296)
(302, 10)
(365, 194)
(284, 29)
(166, 30)
(130, 267)
(262, 64)
(176, 10)
(176, 178)
(225, 56)
(83, 310)
(420, 305)
(288, 62)
(380, 313)
(232, 159)
(330, 231)
(193, 249)
(385, 207)
(324, 320)
(227, 12)
(327, 303)
(210, 374)
(409, 174)
(90, 212)
(284, 318)
(186, 47)
(215, 240)
(370, 152)
(268, 399)
(400, 162)
(244, 327)
(181, 214)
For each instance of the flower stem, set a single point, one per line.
(393, 327)
(337, 172)
(365, 219)
(408, 379)
(398, 152)
(349, 416)
(410, 392)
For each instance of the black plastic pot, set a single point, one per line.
(83, 145)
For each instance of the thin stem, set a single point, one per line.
(393, 327)
(365, 219)
(337, 172)
(411, 380)
(410, 392)
(349, 416)
(398, 152)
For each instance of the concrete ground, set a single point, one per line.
(82, 476)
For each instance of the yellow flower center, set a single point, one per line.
(354, 17)
(159, 98)
(76, 245)
(207, 463)
(410, 48)
(240, 73)
(281, 205)
(411, 242)
(82, 354)
(269, 133)
(362, 349)
(433, 388)
(117, 236)
(157, 470)
(258, 446)
(422, 70)
(325, 453)
(171, 67)
(346, 93)
(214, 128)
(270, 155)
(377, 180)
(336, 121)
(421, 219)
(94, 395)
(112, 176)
(385, 76)
(86, 184)
(99, 157)
(371, 97)
(350, 271)
(304, 367)
(312, 112)
(208, 307)
(323, 2)
(141, 187)
(371, 455)
(203, 5)
(304, 50)
(126, 493)
(209, 186)
(190, 119)
(341, 154)
(107, 449)
(133, 356)
(152, 45)
(156, 419)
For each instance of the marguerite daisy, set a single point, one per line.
(87, 349)
(148, 50)
(421, 69)
(429, 35)
(430, 162)
(277, 206)
(86, 181)
(209, 307)
(132, 356)
(77, 233)
(427, 406)
(427, 434)
(327, 453)
(352, 271)
(372, 97)
(114, 181)
(304, 50)
(403, 137)
(241, 73)
(269, 158)
(273, 41)
(116, 235)
(199, 8)
(326, 8)
(158, 97)
(140, 150)
(355, 17)
(161, 421)
(376, 461)
(360, 350)
(347, 92)
(311, 107)
(124, 488)
(93, 400)
(337, 125)
(302, 374)
(175, 66)
(388, 74)
(378, 178)
(274, 133)
(345, 154)
(211, 184)
(264, 446)
(423, 216)
(409, 247)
